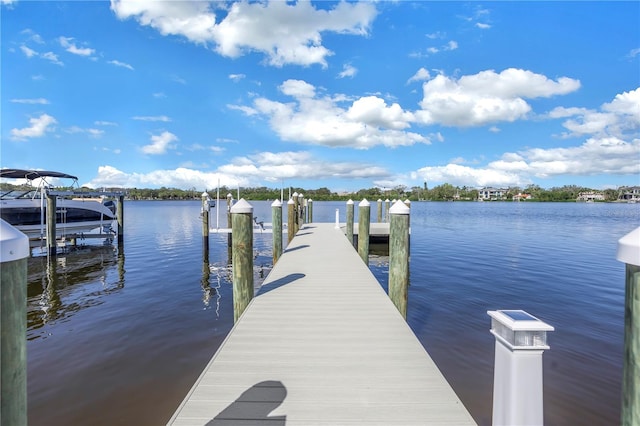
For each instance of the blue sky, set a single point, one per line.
(342, 95)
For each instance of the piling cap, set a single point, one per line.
(290, 201)
(276, 203)
(14, 245)
(399, 208)
(629, 248)
(242, 206)
(295, 194)
(364, 203)
(205, 195)
(379, 200)
(350, 201)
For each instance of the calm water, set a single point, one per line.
(117, 335)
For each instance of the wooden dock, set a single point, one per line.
(321, 344)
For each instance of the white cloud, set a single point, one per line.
(613, 148)
(104, 123)
(50, 56)
(248, 111)
(249, 170)
(421, 75)
(68, 44)
(38, 127)
(633, 53)
(459, 175)
(374, 111)
(236, 77)
(94, 133)
(162, 118)
(482, 26)
(286, 33)
(486, 97)
(33, 36)
(121, 64)
(619, 118)
(37, 101)
(347, 71)
(160, 143)
(178, 79)
(323, 120)
(28, 52)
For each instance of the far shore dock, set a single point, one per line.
(321, 344)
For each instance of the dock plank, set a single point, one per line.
(321, 344)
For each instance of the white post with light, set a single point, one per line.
(521, 339)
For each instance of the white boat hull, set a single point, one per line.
(72, 216)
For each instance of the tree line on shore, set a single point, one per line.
(444, 192)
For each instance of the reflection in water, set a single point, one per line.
(219, 274)
(62, 285)
(207, 290)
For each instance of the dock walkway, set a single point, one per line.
(321, 344)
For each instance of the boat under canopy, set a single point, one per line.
(26, 209)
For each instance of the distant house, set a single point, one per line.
(590, 197)
(630, 194)
(492, 194)
(522, 196)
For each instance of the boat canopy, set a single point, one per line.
(32, 174)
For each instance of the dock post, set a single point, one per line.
(399, 256)
(379, 210)
(229, 204)
(51, 224)
(295, 213)
(14, 252)
(349, 230)
(291, 227)
(386, 210)
(276, 228)
(301, 210)
(120, 217)
(629, 253)
(205, 220)
(521, 339)
(364, 220)
(310, 211)
(242, 253)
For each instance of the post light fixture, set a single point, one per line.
(521, 339)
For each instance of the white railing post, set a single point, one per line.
(521, 339)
